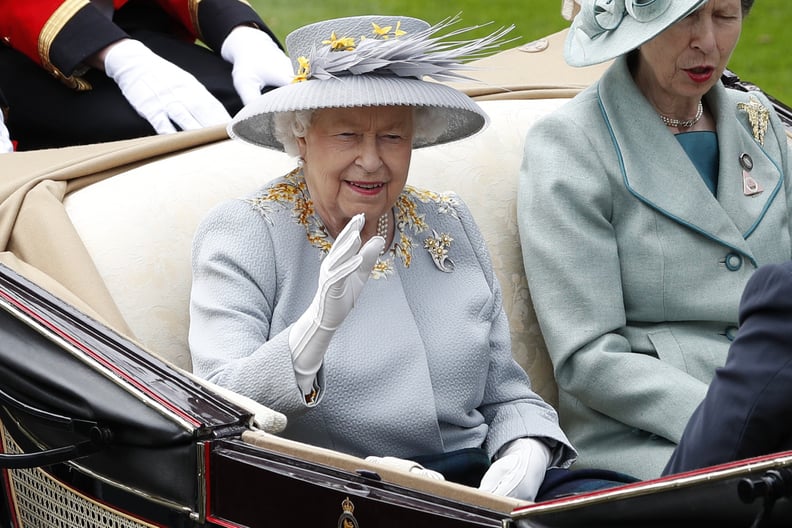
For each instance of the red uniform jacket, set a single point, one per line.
(59, 34)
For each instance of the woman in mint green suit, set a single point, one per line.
(645, 205)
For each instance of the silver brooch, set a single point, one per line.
(437, 246)
(751, 187)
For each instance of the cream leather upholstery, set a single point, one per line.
(138, 225)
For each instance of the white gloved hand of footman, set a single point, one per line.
(5, 137)
(342, 275)
(161, 92)
(258, 62)
(518, 470)
(405, 465)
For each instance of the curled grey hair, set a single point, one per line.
(429, 123)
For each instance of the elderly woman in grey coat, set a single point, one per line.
(364, 309)
(646, 203)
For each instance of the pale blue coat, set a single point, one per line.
(421, 366)
(635, 268)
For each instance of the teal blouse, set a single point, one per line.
(702, 149)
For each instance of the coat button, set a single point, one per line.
(733, 261)
(730, 332)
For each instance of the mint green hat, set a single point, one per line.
(606, 29)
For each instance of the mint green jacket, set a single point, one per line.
(635, 268)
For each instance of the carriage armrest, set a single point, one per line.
(263, 418)
(400, 477)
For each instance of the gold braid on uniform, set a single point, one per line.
(193, 7)
(51, 28)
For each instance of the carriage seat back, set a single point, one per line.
(138, 225)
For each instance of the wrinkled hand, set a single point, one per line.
(405, 465)
(5, 137)
(160, 91)
(342, 275)
(258, 62)
(519, 469)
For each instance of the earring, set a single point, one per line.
(300, 162)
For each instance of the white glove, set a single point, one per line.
(342, 275)
(257, 60)
(5, 137)
(519, 469)
(406, 465)
(160, 91)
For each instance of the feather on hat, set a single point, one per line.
(373, 61)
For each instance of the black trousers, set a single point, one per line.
(45, 113)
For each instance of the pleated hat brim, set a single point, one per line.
(254, 123)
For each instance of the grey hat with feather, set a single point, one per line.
(372, 61)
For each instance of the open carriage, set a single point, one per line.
(102, 423)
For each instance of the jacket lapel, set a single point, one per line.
(656, 170)
(746, 211)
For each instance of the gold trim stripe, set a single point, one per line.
(51, 28)
(193, 7)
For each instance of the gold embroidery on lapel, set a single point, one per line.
(292, 193)
(758, 115)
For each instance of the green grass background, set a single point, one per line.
(762, 56)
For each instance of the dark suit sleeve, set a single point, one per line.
(212, 20)
(218, 17)
(57, 34)
(746, 410)
(83, 35)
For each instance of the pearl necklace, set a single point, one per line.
(382, 228)
(687, 123)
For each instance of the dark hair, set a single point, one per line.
(746, 6)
